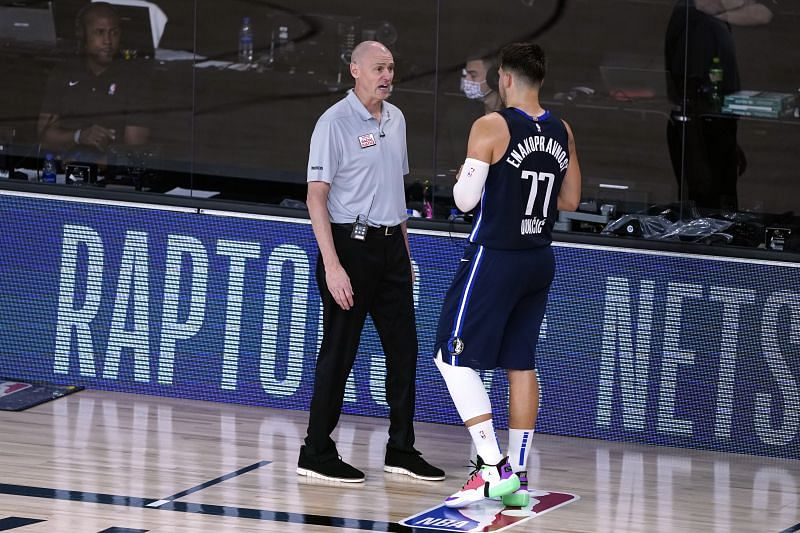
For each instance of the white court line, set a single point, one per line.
(158, 503)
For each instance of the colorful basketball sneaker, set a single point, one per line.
(520, 497)
(486, 481)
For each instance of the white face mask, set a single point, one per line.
(472, 89)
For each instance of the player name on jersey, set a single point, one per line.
(531, 226)
(538, 143)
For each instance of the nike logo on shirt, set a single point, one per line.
(73, 83)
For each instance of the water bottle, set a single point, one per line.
(246, 42)
(715, 76)
(427, 200)
(49, 169)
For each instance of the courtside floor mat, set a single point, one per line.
(21, 395)
(488, 515)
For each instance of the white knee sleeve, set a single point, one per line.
(466, 388)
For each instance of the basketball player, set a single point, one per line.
(521, 168)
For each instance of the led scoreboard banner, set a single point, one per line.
(640, 346)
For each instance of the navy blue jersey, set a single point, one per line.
(519, 203)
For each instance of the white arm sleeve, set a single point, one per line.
(469, 187)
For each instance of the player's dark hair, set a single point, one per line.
(524, 59)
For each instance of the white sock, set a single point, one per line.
(519, 446)
(486, 442)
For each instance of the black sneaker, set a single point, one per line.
(411, 464)
(333, 469)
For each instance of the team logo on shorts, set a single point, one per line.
(455, 345)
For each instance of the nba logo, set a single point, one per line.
(488, 515)
(7, 388)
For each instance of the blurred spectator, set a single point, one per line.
(706, 158)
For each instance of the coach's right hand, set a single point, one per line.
(339, 286)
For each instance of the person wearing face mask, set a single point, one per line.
(479, 82)
(356, 201)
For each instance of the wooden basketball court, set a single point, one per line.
(100, 461)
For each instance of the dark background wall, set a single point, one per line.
(255, 125)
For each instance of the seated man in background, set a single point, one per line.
(90, 101)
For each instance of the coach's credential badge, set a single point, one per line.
(456, 346)
(366, 140)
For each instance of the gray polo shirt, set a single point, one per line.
(363, 161)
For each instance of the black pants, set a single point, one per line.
(380, 274)
(710, 166)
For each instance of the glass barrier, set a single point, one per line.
(86, 100)
(685, 113)
(255, 112)
(733, 122)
